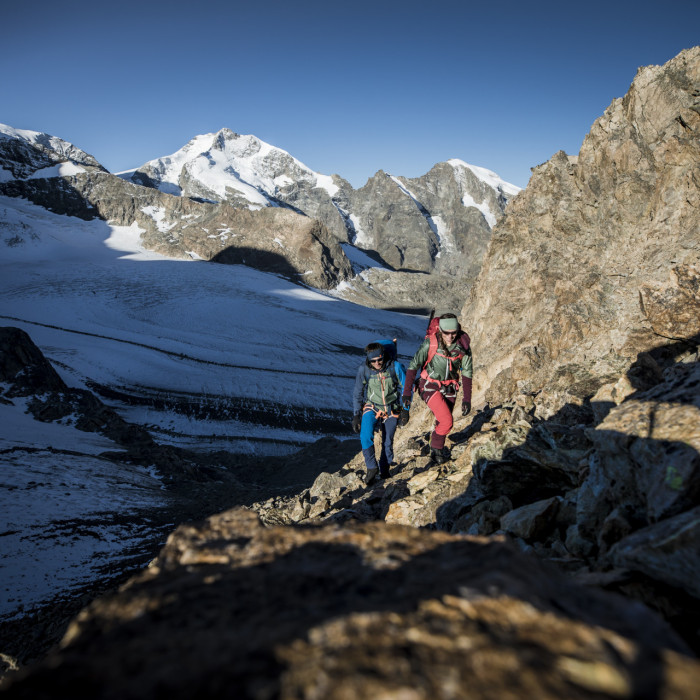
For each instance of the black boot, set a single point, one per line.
(371, 464)
(436, 455)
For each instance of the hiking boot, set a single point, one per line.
(384, 472)
(371, 475)
(438, 455)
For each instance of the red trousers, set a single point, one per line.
(442, 410)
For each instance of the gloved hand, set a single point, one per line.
(403, 417)
(406, 403)
(356, 422)
(466, 408)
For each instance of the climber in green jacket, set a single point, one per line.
(443, 356)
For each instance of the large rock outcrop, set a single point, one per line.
(598, 257)
(231, 608)
(440, 222)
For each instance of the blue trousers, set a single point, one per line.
(387, 426)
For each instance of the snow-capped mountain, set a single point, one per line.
(274, 239)
(226, 166)
(412, 224)
(236, 199)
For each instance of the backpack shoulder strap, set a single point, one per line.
(432, 348)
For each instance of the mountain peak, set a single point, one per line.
(25, 153)
(489, 177)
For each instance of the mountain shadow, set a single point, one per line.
(259, 259)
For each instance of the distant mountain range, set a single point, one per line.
(209, 200)
(411, 223)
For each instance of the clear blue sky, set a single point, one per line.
(347, 88)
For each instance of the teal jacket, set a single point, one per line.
(381, 388)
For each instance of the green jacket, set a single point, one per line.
(440, 367)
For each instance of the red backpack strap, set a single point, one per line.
(432, 348)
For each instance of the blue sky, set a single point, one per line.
(347, 88)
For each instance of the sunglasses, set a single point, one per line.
(449, 332)
(377, 359)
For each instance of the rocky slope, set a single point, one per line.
(612, 502)
(233, 608)
(585, 325)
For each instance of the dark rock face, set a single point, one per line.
(234, 608)
(23, 366)
(25, 372)
(434, 223)
(28, 373)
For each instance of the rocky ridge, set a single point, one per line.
(597, 260)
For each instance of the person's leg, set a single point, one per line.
(442, 410)
(367, 441)
(387, 455)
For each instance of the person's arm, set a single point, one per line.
(414, 367)
(467, 370)
(358, 394)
